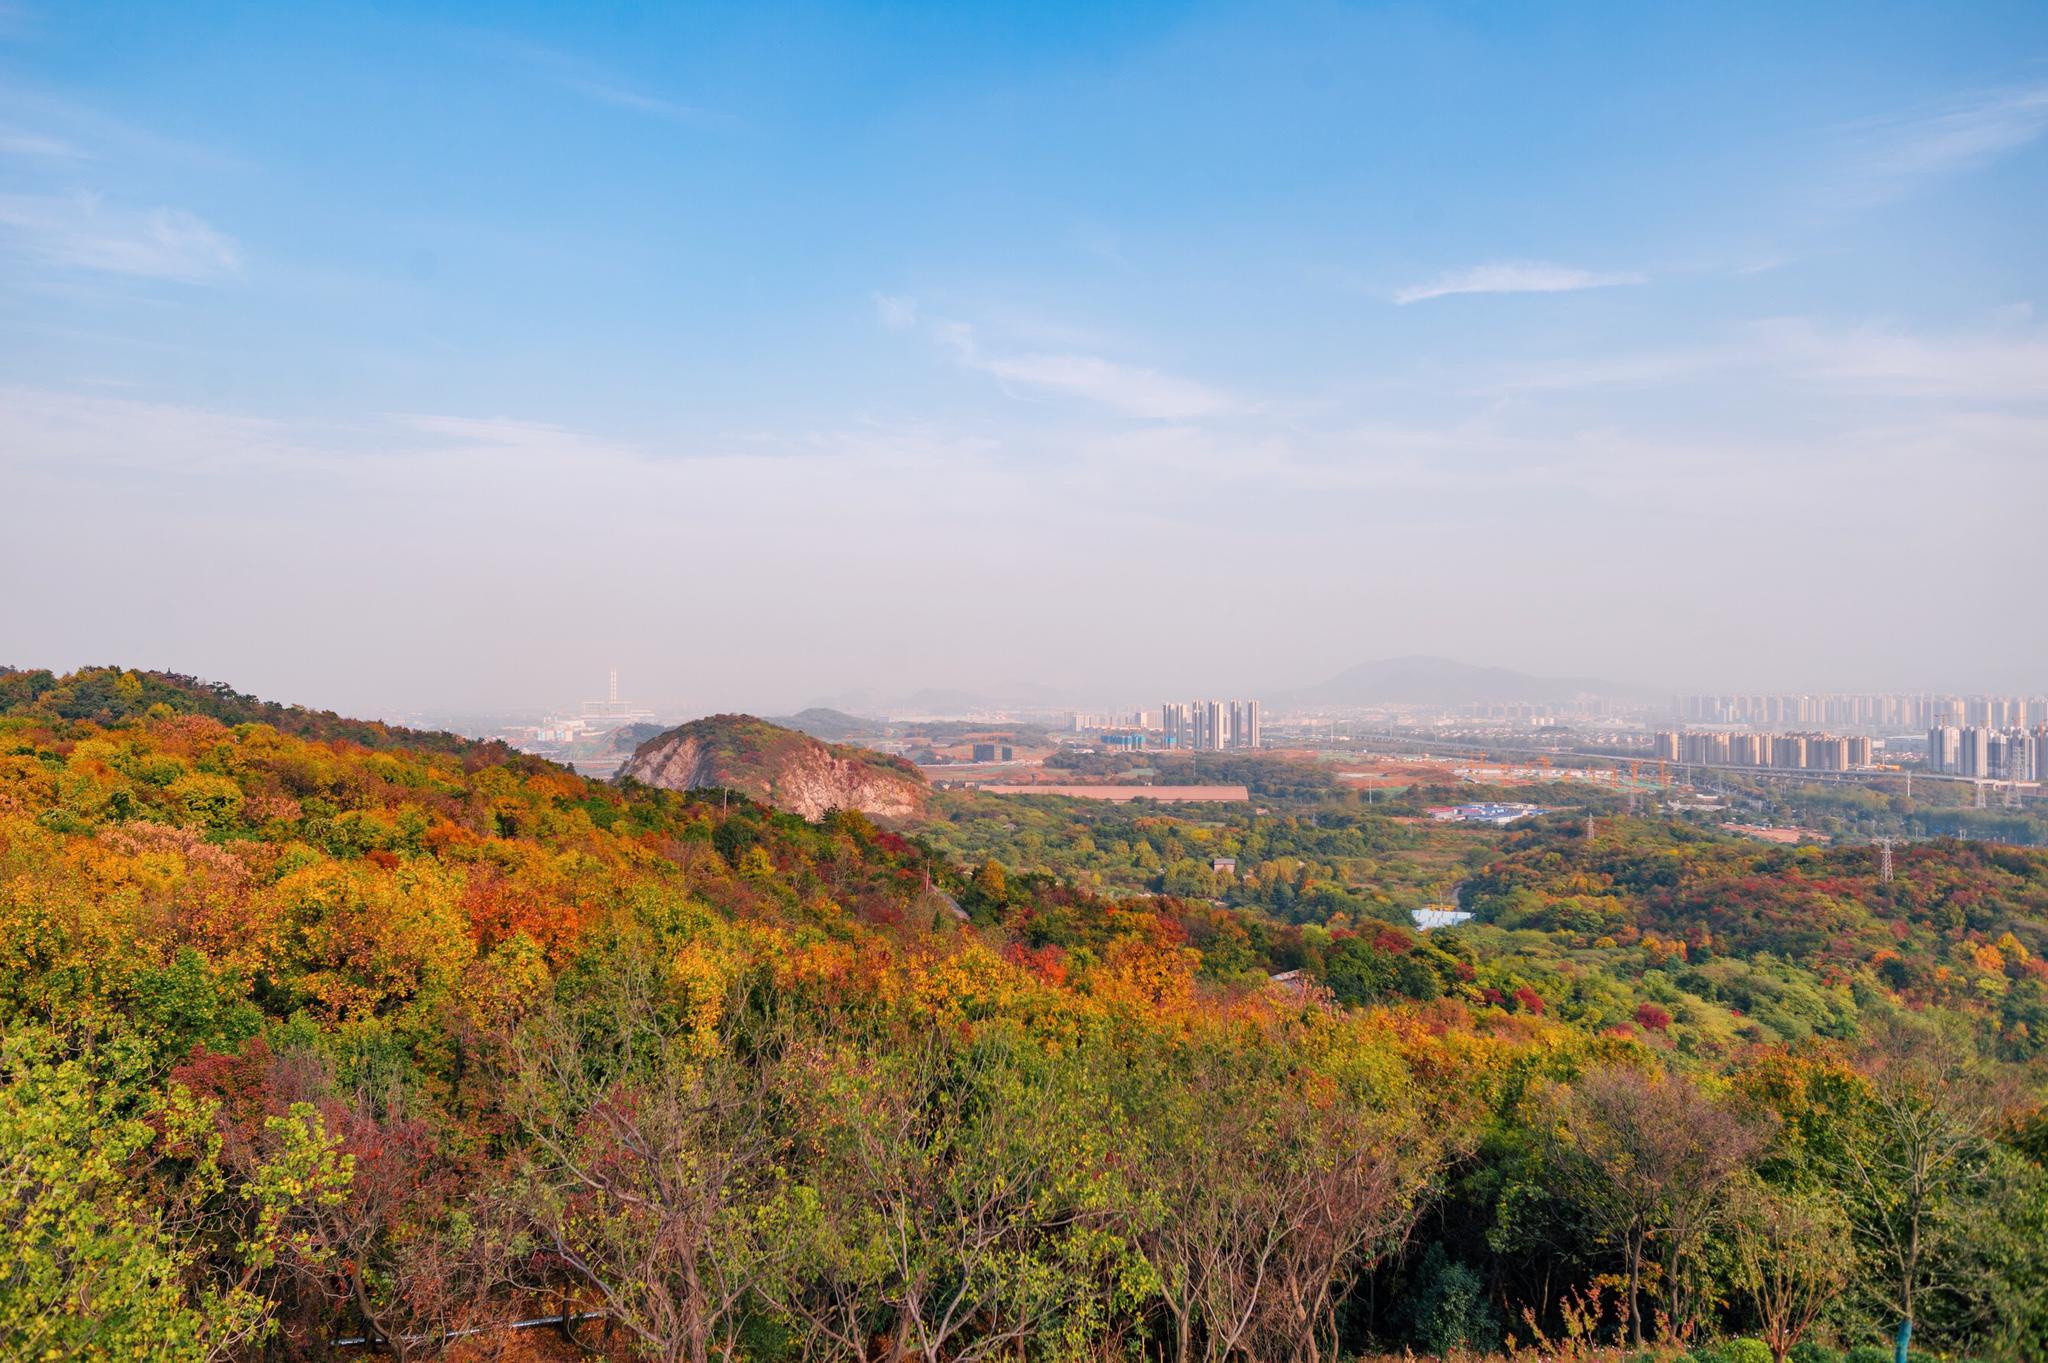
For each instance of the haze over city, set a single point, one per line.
(385, 362)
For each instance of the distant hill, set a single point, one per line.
(834, 726)
(627, 737)
(1441, 681)
(112, 695)
(778, 766)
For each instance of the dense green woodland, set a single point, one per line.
(314, 1030)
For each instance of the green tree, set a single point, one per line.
(1793, 1258)
(1914, 1159)
(962, 1199)
(89, 1267)
(1648, 1156)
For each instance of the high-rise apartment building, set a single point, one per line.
(1749, 750)
(1245, 728)
(1975, 755)
(1176, 724)
(1944, 748)
(1708, 749)
(1827, 753)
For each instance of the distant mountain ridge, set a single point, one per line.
(1423, 680)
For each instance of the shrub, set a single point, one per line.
(1807, 1351)
(1450, 1308)
(1733, 1351)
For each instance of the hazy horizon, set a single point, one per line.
(396, 361)
(1017, 695)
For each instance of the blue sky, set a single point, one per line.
(410, 355)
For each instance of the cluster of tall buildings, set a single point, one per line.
(1900, 712)
(1211, 725)
(1991, 753)
(1795, 752)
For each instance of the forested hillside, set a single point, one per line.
(108, 695)
(320, 1032)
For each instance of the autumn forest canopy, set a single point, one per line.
(320, 1038)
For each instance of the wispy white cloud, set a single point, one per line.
(1637, 369)
(83, 231)
(621, 96)
(895, 311)
(40, 123)
(75, 432)
(2005, 364)
(1130, 389)
(2002, 362)
(594, 82)
(1961, 135)
(1515, 276)
(1127, 389)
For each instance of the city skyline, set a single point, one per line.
(1702, 716)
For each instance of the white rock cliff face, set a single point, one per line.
(813, 780)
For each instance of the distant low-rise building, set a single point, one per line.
(1493, 813)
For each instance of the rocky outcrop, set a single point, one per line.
(777, 766)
